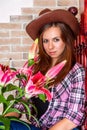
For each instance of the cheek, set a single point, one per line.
(60, 46)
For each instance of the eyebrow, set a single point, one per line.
(53, 37)
(56, 37)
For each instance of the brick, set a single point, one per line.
(44, 3)
(25, 24)
(20, 48)
(10, 26)
(4, 33)
(18, 33)
(67, 2)
(10, 56)
(81, 6)
(4, 62)
(18, 64)
(27, 41)
(4, 48)
(25, 55)
(17, 18)
(31, 10)
(10, 41)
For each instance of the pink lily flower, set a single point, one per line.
(37, 82)
(55, 70)
(27, 72)
(35, 86)
(6, 76)
(38, 78)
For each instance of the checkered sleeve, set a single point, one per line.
(76, 102)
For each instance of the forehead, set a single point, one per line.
(51, 31)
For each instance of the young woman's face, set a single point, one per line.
(53, 43)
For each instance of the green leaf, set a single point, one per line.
(10, 97)
(8, 107)
(35, 120)
(13, 69)
(42, 97)
(3, 100)
(1, 86)
(2, 127)
(30, 62)
(12, 110)
(33, 106)
(21, 76)
(27, 108)
(9, 87)
(6, 123)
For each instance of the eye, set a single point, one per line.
(45, 41)
(56, 39)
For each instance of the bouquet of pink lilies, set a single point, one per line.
(31, 85)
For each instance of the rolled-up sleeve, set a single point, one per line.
(76, 104)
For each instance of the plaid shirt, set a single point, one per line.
(68, 99)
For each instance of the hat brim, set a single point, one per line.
(58, 15)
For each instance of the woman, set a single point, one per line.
(56, 32)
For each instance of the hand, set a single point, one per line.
(12, 114)
(64, 124)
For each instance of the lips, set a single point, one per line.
(51, 53)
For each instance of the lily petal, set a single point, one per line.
(32, 89)
(55, 70)
(38, 77)
(7, 76)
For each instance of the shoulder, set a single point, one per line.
(77, 69)
(77, 73)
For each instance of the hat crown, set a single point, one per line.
(44, 11)
(47, 16)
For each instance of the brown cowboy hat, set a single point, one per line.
(48, 16)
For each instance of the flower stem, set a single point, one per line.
(0, 90)
(8, 108)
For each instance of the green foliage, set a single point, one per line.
(42, 97)
(8, 102)
(31, 62)
(5, 123)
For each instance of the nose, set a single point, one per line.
(50, 45)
